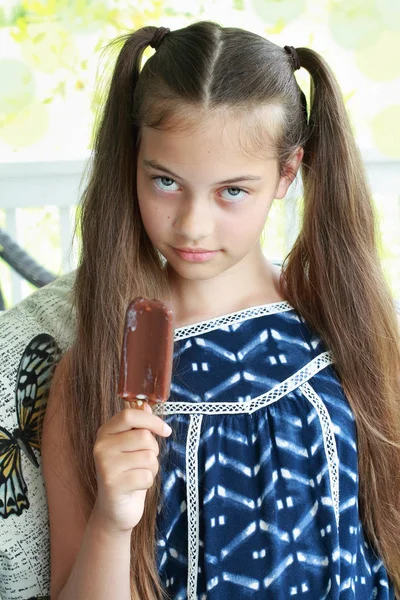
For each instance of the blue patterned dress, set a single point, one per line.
(259, 477)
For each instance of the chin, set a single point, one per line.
(191, 271)
(194, 272)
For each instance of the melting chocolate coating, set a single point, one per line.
(147, 352)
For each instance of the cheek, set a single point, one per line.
(244, 228)
(155, 218)
(244, 222)
(150, 218)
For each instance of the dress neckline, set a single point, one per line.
(239, 316)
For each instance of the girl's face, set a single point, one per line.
(203, 198)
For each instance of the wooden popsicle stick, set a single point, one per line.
(138, 404)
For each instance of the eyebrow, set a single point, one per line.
(152, 164)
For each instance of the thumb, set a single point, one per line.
(147, 407)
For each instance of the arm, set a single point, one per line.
(101, 568)
(87, 561)
(90, 550)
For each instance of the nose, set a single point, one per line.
(195, 219)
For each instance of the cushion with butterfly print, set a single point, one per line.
(33, 336)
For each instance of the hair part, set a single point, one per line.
(332, 276)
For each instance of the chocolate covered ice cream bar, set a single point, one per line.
(147, 352)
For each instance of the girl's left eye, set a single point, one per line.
(235, 194)
(165, 184)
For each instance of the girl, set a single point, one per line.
(281, 477)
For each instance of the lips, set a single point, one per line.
(196, 254)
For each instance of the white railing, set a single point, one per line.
(58, 183)
(36, 184)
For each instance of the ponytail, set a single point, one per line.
(334, 278)
(118, 262)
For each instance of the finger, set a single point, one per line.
(135, 480)
(144, 459)
(128, 419)
(111, 468)
(134, 440)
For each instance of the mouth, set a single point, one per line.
(195, 254)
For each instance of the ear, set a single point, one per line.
(289, 173)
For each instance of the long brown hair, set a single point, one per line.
(332, 276)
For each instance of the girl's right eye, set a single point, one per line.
(165, 184)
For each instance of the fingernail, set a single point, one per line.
(167, 428)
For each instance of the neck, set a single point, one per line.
(251, 282)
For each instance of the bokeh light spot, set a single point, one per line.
(385, 127)
(26, 127)
(354, 24)
(18, 89)
(85, 16)
(390, 11)
(274, 11)
(377, 60)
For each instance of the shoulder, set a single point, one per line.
(40, 327)
(48, 309)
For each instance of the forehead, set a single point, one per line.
(235, 135)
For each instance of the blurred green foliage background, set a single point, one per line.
(52, 75)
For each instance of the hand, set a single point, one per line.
(125, 456)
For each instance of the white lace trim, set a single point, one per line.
(329, 442)
(192, 492)
(242, 315)
(248, 406)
